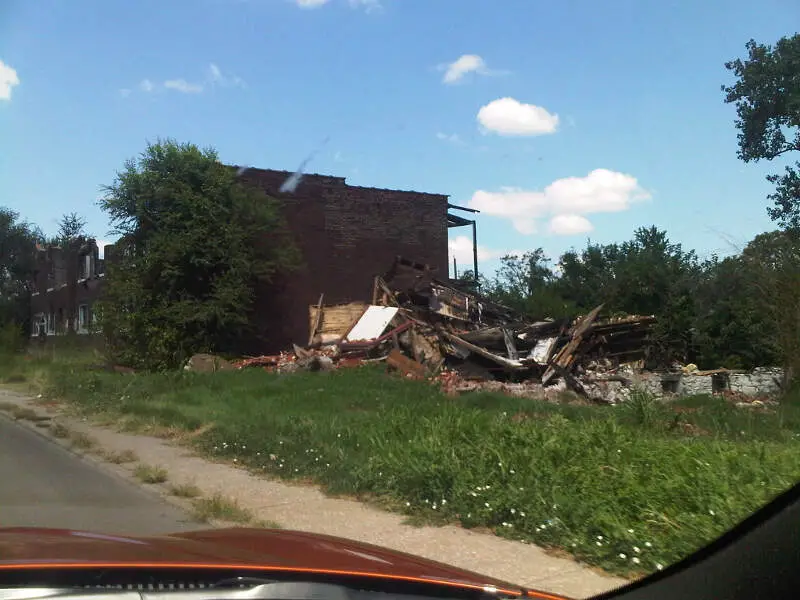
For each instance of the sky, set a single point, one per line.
(562, 122)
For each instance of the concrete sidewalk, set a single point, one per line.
(306, 508)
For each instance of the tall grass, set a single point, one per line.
(628, 488)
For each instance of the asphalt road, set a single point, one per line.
(44, 485)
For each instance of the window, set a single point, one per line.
(51, 324)
(38, 324)
(83, 318)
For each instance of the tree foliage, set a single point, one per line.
(71, 227)
(767, 99)
(714, 313)
(17, 262)
(194, 245)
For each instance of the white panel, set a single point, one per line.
(372, 323)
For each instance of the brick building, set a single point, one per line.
(346, 234)
(67, 282)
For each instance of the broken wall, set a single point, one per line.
(347, 236)
(763, 381)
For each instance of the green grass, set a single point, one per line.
(599, 482)
(149, 473)
(218, 507)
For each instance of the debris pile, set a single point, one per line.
(425, 327)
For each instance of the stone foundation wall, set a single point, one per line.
(763, 381)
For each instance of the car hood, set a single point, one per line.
(242, 547)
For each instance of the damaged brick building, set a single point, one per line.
(347, 235)
(67, 283)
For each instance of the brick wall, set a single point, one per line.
(347, 235)
(60, 287)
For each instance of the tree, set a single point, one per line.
(774, 260)
(767, 99)
(71, 227)
(17, 262)
(647, 275)
(732, 329)
(525, 283)
(194, 245)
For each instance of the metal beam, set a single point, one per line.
(464, 208)
(456, 221)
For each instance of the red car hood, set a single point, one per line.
(274, 549)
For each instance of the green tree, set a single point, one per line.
(767, 98)
(647, 275)
(194, 246)
(526, 284)
(774, 260)
(17, 262)
(732, 328)
(71, 227)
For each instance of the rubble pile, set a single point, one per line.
(425, 327)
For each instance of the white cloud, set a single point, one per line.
(8, 80)
(466, 63)
(565, 201)
(507, 116)
(368, 5)
(460, 248)
(214, 77)
(183, 86)
(569, 225)
(449, 137)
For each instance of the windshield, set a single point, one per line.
(483, 295)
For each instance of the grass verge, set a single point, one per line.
(626, 488)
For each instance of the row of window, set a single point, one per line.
(47, 323)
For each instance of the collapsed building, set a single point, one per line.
(427, 326)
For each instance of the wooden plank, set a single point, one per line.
(564, 358)
(500, 360)
(317, 321)
(397, 360)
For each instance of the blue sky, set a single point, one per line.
(559, 120)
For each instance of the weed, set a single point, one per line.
(265, 524)
(22, 413)
(118, 458)
(59, 430)
(643, 408)
(150, 474)
(220, 508)
(81, 440)
(185, 490)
